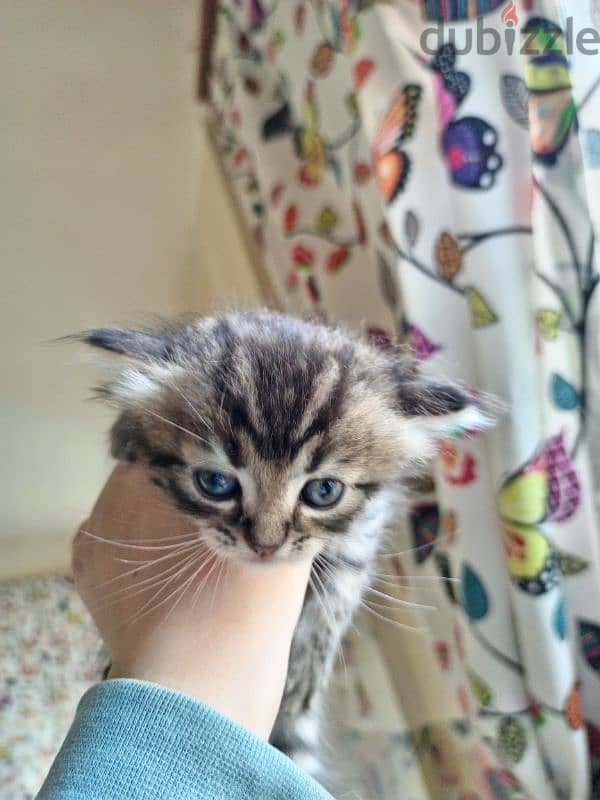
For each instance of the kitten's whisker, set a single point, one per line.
(365, 604)
(394, 622)
(334, 625)
(152, 606)
(148, 583)
(216, 584)
(197, 542)
(328, 567)
(224, 416)
(325, 614)
(426, 546)
(185, 587)
(329, 619)
(159, 560)
(190, 404)
(124, 543)
(156, 586)
(138, 561)
(198, 590)
(433, 578)
(335, 561)
(154, 602)
(403, 586)
(399, 602)
(325, 562)
(381, 605)
(318, 564)
(194, 555)
(179, 593)
(164, 540)
(174, 424)
(151, 505)
(313, 586)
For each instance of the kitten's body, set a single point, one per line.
(274, 404)
(323, 623)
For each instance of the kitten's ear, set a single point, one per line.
(442, 408)
(138, 345)
(140, 363)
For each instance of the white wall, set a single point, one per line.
(108, 201)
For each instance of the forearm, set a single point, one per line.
(139, 740)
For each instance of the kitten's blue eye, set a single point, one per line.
(322, 492)
(217, 485)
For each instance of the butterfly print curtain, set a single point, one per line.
(424, 189)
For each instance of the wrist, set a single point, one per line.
(247, 690)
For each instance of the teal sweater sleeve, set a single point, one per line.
(140, 741)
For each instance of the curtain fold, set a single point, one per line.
(401, 178)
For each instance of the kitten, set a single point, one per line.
(280, 438)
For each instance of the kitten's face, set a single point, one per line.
(273, 433)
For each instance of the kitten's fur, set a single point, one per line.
(276, 401)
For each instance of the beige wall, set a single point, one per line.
(110, 209)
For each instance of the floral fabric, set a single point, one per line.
(405, 184)
(50, 656)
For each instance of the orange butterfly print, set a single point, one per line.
(392, 164)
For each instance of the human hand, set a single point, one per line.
(172, 612)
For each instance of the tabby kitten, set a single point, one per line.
(280, 438)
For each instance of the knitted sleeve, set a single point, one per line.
(137, 740)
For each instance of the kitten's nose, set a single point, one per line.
(265, 550)
(265, 535)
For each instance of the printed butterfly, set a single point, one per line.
(552, 108)
(468, 143)
(545, 488)
(392, 164)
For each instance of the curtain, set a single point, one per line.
(429, 172)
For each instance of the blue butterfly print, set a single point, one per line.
(468, 143)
